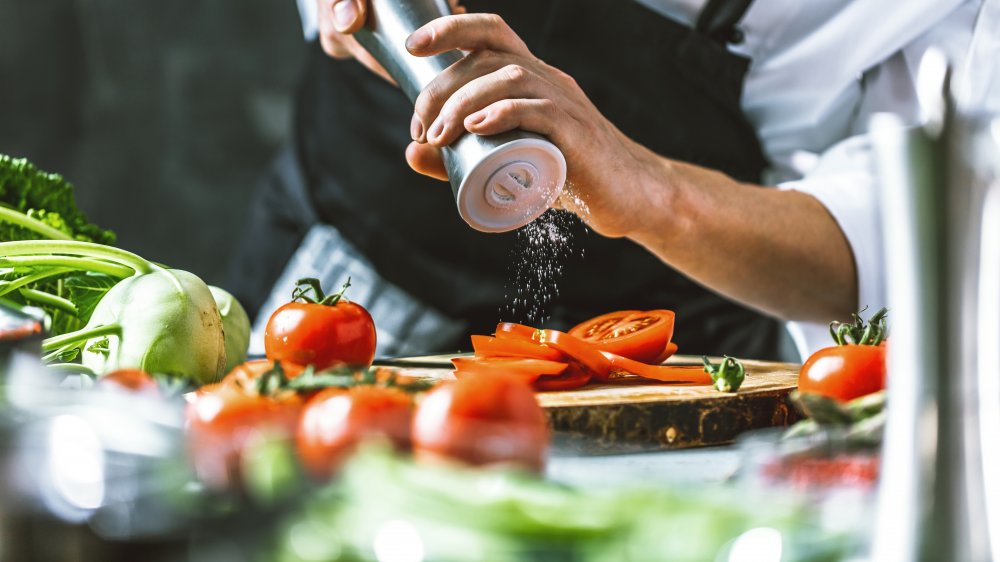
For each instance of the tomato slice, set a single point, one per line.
(663, 373)
(667, 353)
(571, 378)
(487, 346)
(578, 350)
(510, 330)
(638, 335)
(524, 369)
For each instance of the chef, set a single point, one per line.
(673, 116)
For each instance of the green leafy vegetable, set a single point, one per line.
(38, 205)
(45, 198)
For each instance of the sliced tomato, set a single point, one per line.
(510, 330)
(579, 351)
(525, 369)
(487, 346)
(667, 353)
(571, 378)
(663, 373)
(638, 335)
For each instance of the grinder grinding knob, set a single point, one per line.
(500, 182)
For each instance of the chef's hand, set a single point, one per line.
(501, 86)
(338, 19)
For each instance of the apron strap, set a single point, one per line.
(718, 19)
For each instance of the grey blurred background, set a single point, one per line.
(164, 114)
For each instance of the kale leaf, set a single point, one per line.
(46, 197)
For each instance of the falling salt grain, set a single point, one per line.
(539, 257)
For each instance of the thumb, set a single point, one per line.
(349, 15)
(426, 159)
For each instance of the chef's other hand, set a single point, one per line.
(338, 19)
(500, 86)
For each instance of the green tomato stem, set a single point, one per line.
(76, 248)
(38, 227)
(68, 340)
(54, 301)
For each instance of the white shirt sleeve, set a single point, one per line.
(844, 183)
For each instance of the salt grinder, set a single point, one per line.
(500, 182)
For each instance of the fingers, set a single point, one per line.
(349, 15)
(426, 159)
(467, 32)
(509, 82)
(542, 116)
(335, 18)
(338, 18)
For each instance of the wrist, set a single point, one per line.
(657, 199)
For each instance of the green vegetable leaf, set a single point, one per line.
(45, 197)
(86, 290)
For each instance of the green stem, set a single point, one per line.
(80, 336)
(76, 248)
(32, 224)
(11, 286)
(54, 301)
(76, 263)
(73, 369)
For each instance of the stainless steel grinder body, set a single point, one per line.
(500, 182)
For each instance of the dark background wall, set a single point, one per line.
(163, 113)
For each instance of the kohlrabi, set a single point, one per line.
(156, 319)
(107, 307)
(235, 324)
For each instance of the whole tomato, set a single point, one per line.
(321, 331)
(129, 381)
(482, 419)
(222, 419)
(335, 421)
(852, 368)
(844, 372)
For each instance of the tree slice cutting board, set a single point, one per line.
(644, 416)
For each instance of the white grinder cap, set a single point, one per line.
(512, 185)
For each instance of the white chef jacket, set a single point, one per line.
(819, 69)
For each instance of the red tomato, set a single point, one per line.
(584, 353)
(667, 353)
(244, 374)
(524, 369)
(321, 335)
(844, 372)
(513, 347)
(223, 418)
(482, 419)
(573, 377)
(637, 335)
(335, 421)
(129, 381)
(662, 373)
(510, 330)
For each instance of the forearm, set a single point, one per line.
(777, 251)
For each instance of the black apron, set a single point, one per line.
(674, 89)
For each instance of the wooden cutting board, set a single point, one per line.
(644, 416)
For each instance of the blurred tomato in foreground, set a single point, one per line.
(222, 419)
(482, 419)
(336, 420)
(132, 381)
